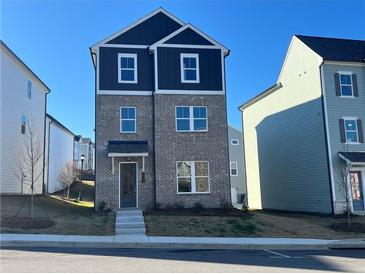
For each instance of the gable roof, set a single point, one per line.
(335, 49)
(124, 30)
(7, 49)
(208, 38)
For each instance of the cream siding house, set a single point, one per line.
(292, 132)
(23, 100)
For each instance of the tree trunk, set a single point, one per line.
(68, 192)
(31, 203)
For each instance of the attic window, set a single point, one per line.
(189, 63)
(127, 68)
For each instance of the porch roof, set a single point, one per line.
(353, 157)
(127, 148)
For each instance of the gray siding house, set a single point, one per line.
(236, 165)
(304, 135)
(161, 124)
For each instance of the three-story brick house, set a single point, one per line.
(161, 124)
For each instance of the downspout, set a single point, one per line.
(95, 80)
(324, 114)
(49, 138)
(154, 136)
(244, 158)
(44, 139)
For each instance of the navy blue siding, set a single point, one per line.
(169, 74)
(108, 69)
(148, 32)
(190, 37)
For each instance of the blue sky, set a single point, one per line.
(53, 38)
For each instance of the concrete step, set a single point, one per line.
(128, 214)
(129, 225)
(137, 219)
(120, 231)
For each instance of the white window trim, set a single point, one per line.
(128, 55)
(238, 142)
(231, 163)
(135, 120)
(189, 55)
(352, 84)
(192, 177)
(357, 130)
(191, 119)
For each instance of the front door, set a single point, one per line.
(128, 184)
(357, 190)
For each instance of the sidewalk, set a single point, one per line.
(44, 240)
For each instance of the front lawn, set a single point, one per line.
(53, 216)
(236, 223)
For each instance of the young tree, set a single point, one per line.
(67, 176)
(29, 162)
(345, 189)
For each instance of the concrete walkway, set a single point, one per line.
(123, 241)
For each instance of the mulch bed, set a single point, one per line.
(355, 227)
(229, 212)
(27, 223)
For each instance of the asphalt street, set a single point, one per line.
(170, 260)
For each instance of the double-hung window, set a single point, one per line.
(234, 168)
(189, 63)
(191, 118)
(127, 68)
(192, 177)
(351, 130)
(29, 89)
(23, 125)
(128, 120)
(346, 84)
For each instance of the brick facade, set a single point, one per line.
(108, 128)
(171, 146)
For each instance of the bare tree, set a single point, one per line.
(67, 176)
(345, 189)
(29, 163)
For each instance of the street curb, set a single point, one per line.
(137, 241)
(162, 245)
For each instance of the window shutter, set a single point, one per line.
(354, 85)
(360, 131)
(337, 84)
(342, 131)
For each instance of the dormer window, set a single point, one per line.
(127, 68)
(189, 63)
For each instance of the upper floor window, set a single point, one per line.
(128, 120)
(127, 68)
(192, 177)
(346, 85)
(234, 168)
(29, 89)
(351, 130)
(235, 142)
(23, 124)
(192, 118)
(189, 63)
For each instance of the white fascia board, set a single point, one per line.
(135, 24)
(128, 154)
(124, 92)
(193, 92)
(214, 42)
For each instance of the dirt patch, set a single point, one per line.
(27, 223)
(355, 227)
